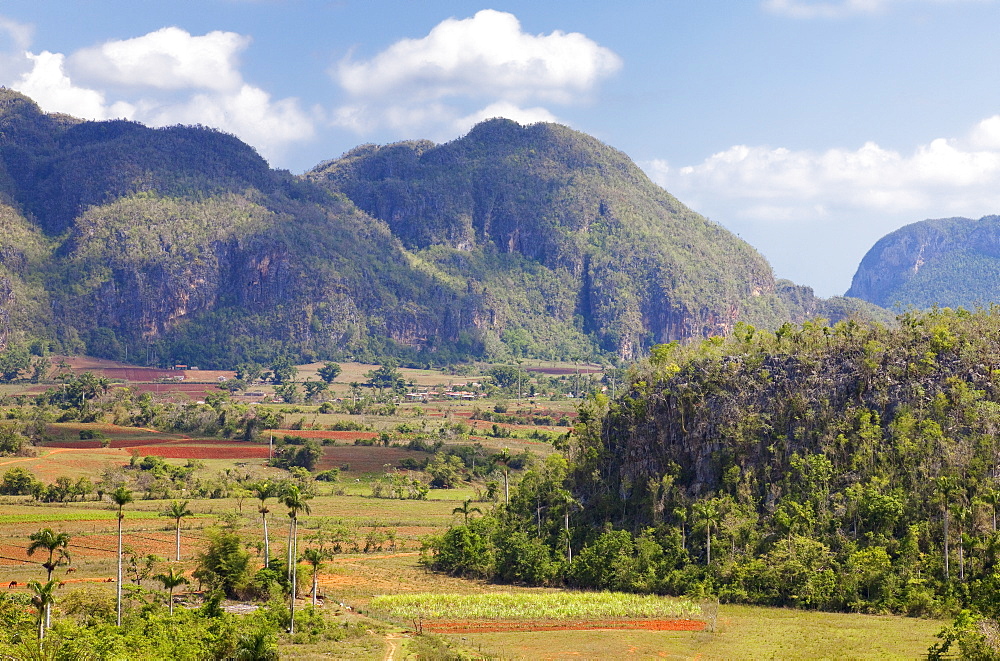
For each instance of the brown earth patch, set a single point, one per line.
(322, 433)
(364, 459)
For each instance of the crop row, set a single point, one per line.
(533, 606)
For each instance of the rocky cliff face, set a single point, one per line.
(642, 268)
(947, 262)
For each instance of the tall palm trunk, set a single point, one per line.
(292, 575)
(118, 585)
(267, 546)
(946, 535)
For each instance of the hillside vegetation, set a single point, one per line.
(181, 245)
(845, 467)
(945, 262)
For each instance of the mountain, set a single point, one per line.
(948, 262)
(181, 244)
(618, 254)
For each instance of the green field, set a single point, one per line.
(387, 588)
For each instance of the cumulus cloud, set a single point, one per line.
(169, 58)
(248, 112)
(47, 83)
(804, 207)
(165, 77)
(443, 79)
(946, 176)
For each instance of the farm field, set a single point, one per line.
(357, 578)
(379, 551)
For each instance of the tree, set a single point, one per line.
(16, 482)
(465, 510)
(295, 501)
(56, 544)
(256, 645)
(224, 564)
(170, 580)
(283, 371)
(329, 372)
(121, 497)
(947, 488)
(503, 457)
(386, 377)
(178, 511)
(42, 598)
(710, 516)
(315, 388)
(262, 491)
(315, 557)
(249, 372)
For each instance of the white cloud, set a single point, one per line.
(943, 176)
(169, 58)
(248, 112)
(165, 77)
(504, 109)
(837, 8)
(47, 83)
(802, 208)
(437, 82)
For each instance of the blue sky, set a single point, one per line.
(811, 129)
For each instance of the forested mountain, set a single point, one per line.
(948, 262)
(180, 244)
(848, 467)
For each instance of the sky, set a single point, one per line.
(809, 128)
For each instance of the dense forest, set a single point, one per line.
(845, 467)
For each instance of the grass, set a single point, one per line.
(742, 632)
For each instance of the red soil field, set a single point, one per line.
(487, 626)
(364, 459)
(205, 451)
(194, 390)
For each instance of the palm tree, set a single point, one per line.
(315, 557)
(256, 645)
(465, 510)
(120, 497)
(947, 488)
(503, 457)
(53, 542)
(56, 544)
(295, 501)
(42, 599)
(171, 580)
(178, 511)
(262, 491)
(710, 515)
(992, 497)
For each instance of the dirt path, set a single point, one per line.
(390, 646)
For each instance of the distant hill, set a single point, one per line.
(180, 244)
(948, 262)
